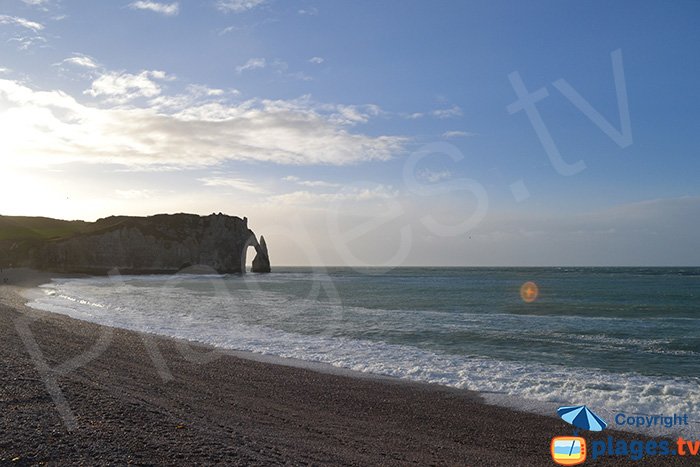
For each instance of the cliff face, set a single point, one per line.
(156, 244)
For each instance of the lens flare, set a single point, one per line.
(529, 292)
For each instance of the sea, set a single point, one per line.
(619, 340)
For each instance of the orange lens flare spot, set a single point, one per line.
(529, 292)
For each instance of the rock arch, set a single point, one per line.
(261, 262)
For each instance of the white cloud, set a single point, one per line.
(353, 114)
(195, 95)
(252, 64)
(26, 42)
(51, 127)
(356, 194)
(313, 11)
(81, 60)
(237, 6)
(227, 30)
(120, 87)
(310, 183)
(249, 27)
(280, 67)
(433, 177)
(457, 134)
(4, 71)
(201, 90)
(25, 23)
(453, 111)
(167, 9)
(316, 60)
(233, 182)
(43, 4)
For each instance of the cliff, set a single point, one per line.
(141, 245)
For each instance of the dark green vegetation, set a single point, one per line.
(18, 228)
(21, 228)
(21, 234)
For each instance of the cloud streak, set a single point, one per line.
(120, 87)
(22, 22)
(452, 112)
(311, 183)
(457, 134)
(238, 6)
(167, 9)
(27, 42)
(83, 61)
(52, 127)
(41, 4)
(434, 177)
(354, 194)
(239, 184)
(252, 64)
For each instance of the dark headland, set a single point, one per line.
(133, 245)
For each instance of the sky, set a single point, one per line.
(366, 133)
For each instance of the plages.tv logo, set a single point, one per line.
(572, 450)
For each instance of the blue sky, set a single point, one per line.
(364, 133)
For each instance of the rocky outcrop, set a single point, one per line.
(156, 244)
(261, 262)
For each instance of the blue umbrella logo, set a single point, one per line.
(581, 417)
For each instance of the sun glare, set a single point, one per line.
(529, 292)
(18, 193)
(26, 195)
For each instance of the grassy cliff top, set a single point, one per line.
(21, 228)
(38, 228)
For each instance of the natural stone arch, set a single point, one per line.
(261, 262)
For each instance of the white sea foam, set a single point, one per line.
(236, 319)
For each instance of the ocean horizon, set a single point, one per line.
(621, 340)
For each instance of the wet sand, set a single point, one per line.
(77, 393)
